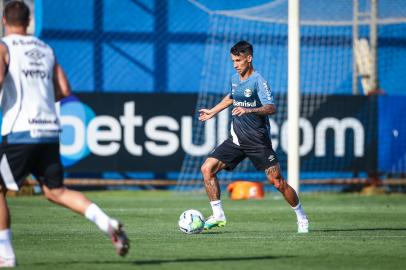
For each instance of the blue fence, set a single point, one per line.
(159, 46)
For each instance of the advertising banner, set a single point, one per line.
(153, 132)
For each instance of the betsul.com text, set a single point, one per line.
(104, 135)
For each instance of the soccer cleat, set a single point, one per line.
(7, 263)
(118, 237)
(303, 226)
(213, 222)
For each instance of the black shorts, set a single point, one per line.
(41, 160)
(232, 154)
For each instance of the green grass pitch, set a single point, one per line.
(347, 232)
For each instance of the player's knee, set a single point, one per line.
(207, 170)
(53, 194)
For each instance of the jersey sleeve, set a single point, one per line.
(264, 92)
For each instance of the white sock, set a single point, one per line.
(217, 209)
(97, 216)
(300, 214)
(6, 248)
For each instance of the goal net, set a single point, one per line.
(325, 84)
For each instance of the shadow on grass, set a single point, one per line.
(222, 259)
(165, 261)
(359, 229)
(216, 232)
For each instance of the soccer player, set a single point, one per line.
(252, 102)
(32, 80)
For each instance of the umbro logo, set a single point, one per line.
(271, 157)
(35, 54)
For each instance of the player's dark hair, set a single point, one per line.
(17, 13)
(242, 47)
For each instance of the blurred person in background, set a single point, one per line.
(31, 81)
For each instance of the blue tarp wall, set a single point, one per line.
(159, 46)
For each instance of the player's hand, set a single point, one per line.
(205, 114)
(239, 111)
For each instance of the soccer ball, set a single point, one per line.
(191, 221)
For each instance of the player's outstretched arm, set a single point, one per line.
(61, 83)
(206, 114)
